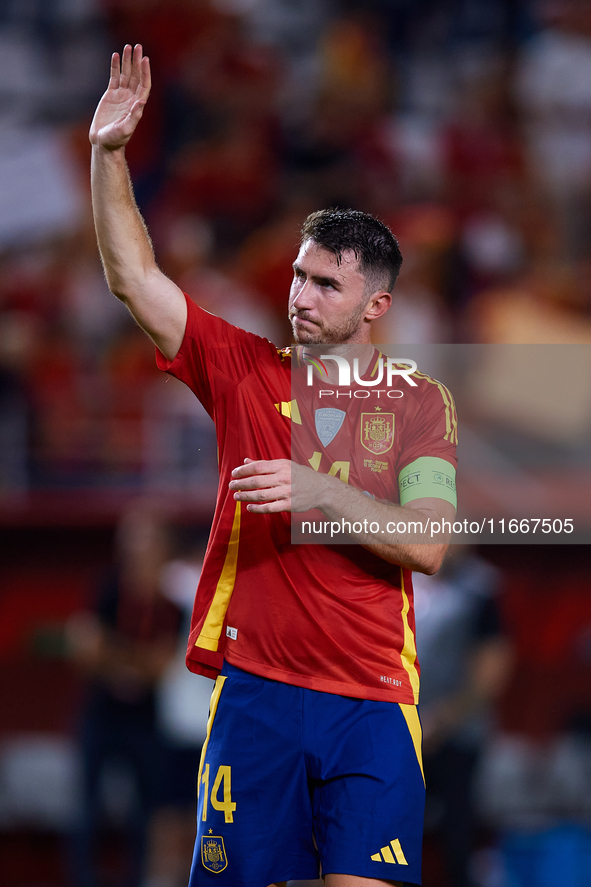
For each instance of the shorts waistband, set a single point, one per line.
(229, 670)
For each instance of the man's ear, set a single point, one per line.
(377, 306)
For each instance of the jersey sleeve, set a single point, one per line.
(214, 355)
(428, 460)
(433, 426)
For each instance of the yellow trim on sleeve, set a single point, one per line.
(451, 418)
(214, 621)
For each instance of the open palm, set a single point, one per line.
(121, 107)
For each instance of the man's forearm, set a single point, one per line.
(123, 239)
(271, 486)
(341, 502)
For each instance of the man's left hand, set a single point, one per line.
(276, 485)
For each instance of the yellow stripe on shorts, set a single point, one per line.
(411, 716)
(213, 707)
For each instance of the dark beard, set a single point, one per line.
(335, 336)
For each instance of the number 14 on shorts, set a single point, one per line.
(223, 779)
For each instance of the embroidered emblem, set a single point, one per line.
(377, 432)
(328, 423)
(213, 854)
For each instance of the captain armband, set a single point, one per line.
(428, 477)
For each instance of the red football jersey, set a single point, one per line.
(335, 618)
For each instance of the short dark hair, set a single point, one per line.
(374, 245)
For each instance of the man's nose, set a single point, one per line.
(303, 296)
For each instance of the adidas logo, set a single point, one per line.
(290, 410)
(394, 855)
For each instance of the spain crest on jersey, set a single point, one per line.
(213, 853)
(377, 432)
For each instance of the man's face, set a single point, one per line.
(327, 301)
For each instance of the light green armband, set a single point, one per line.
(428, 477)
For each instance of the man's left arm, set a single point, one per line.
(410, 535)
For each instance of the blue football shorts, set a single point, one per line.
(293, 783)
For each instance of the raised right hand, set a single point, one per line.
(121, 107)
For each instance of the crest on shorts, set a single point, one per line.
(328, 423)
(213, 853)
(377, 432)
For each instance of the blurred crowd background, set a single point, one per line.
(463, 124)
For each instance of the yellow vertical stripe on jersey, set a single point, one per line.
(451, 418)
(411, 716)
(214, 621)
(409, 650)
(213, 707)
